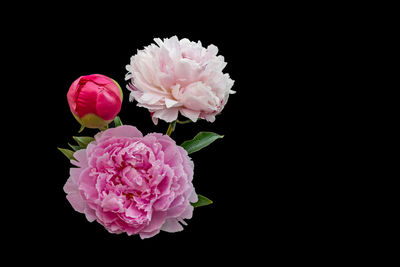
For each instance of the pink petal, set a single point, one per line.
(111, 203)
(187, 213)
(87, 185)
(90, 214)
(172, 225)
(121, 131)
(74, 174)
(144, 235)
(76, 201)
(157, 220)
(81, 158)
(70, 186)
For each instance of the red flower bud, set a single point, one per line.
(95, 100)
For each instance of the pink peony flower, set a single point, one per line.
(179, 76)
(133, 184)
(94, 100)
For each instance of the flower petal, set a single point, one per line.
(121, 131)
(172, 225)
(167, 115)
(150, 98)
(144, 235)
(191, 114)
(81, 158)
(157, 220)
(170, 103)
(76, 201)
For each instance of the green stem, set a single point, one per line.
(171, 128)
(183, 122)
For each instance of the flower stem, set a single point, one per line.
(183, 122)
(171, 128)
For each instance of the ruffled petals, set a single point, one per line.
(132, 183)
(179, 75)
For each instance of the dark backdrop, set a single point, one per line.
(250, 174)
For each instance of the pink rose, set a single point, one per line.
(94, 100)
(133, 184)
(179, 76)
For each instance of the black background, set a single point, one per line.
(255, 175)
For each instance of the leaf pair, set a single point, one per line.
(83, 141)
(200, 141)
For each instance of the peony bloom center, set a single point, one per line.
(128, 183)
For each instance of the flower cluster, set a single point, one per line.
(141, 184)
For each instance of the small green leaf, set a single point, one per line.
(200, 141)
(75, 148)
(117, 121)
(68, 153)
(202, 201)
(81, 129)
(83, 141)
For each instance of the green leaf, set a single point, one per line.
(83, 141)
(81, 129)
(117, 121)
(200, 141)
(75, 148)
(202, 201)
(68, 153)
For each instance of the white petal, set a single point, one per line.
(176, 92)
(158, 41)
(212, 49)
(170, 103)
(193, 115)
(209, 117)
(167, 115)
(155, 120)
(150, 98)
